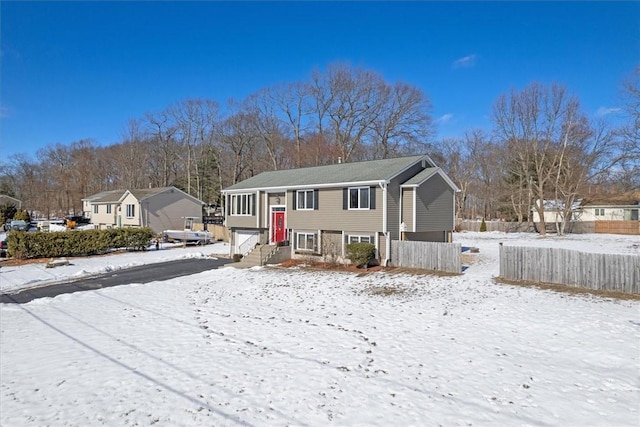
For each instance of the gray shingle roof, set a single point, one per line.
(369, 171)
(106, 196)
(418, 178)
(113, 196)
(142, 193)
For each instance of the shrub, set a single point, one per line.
(22, 244)
(361, 254)
(22, 215)
(7, 212)
(483, 226)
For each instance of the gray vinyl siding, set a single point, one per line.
(434, 206)
(248, 221)
(167, 210)
(331, 246)
(330, 214)
(428, 236)
(393, 199)
(407, 207)
(277, 199)
(237, 221)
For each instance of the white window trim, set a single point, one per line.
(95, 209)
(306, 233)
(108, 208)
(359, 237)
(248, 204)
(349, 198)
(303, 193)
(130, 210)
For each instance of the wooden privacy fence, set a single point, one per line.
(427, 255)
(617, 227)
(606, 272)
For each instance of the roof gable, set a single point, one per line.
(116, 196)
(106, 196)
(425, 175)
(339, 173)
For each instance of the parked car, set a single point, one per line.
(19, 225)
(3, 249)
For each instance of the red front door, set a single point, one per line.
(278, 232)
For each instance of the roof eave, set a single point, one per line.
(306, 186)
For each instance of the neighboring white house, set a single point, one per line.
(602, 211)
(554, 211)
(8, 200)
(158, 208)
(612, 209)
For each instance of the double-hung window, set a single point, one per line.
(108, 208)
(599, 211)
(305, 200)
(242, 204)
(95, 209)
(307, 242)
(131, 211)
(359, 198)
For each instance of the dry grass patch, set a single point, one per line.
(571, 290)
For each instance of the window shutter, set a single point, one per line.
(345, 198)
(295, 200)
(372, 198)
(315, 199)
(228, 200)
(253, 204)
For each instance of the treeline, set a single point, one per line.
(541, 145)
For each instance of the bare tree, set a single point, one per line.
(262, 115)
(292, 103)
(238, 138)
(58, 161)
(630, 132)
(403, 121)
(531, 123)
(195, 121)
(553, 151)
(164, 152)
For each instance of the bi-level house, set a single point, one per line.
(317, 211)
(158, 208)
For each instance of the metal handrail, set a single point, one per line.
(245, 247)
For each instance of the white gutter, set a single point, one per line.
(307, 186)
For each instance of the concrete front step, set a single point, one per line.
(253, 258)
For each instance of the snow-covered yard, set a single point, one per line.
(270, 346)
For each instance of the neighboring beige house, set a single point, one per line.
(317, 211)
(611, 209)
(611, 214)
(158, 208)
(608, 210)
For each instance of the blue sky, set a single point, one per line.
(74, 70)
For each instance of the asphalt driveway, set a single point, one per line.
(140, 274)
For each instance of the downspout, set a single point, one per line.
(232, 240)
(385, 228)
(257, 212)
(400, 213)
(415, 209)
